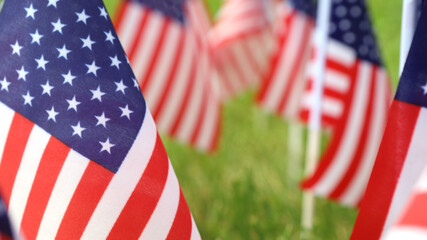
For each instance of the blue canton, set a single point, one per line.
(351, 25)
(171, 8)
(413, 82)
(63, 68)
(4, 220)
(306, 6)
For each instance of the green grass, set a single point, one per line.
(249, 189)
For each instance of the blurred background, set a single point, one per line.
(249, 187)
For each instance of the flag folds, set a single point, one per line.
(80, 156)
(355, 103)
(167, 46)
(402, 154)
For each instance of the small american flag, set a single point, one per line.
(80, 154)
(282, 89)
(243, 43)
(5, 229)
(167, 47)
(401, 159)
(356, 101)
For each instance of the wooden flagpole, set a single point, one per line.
(313, 145)
(407, 30)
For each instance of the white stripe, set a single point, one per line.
(331, 107)
(209, 126)
(178, 89)
(351, 134)
(147, 45)
(406, 232)
(33, 153)
(195, 235)
(242, 60)
(163, 67)
(5, 123)
(229, 74)
(337, 81)
(412, 169)
(288, 54)
(422, 184)
(129, 23)
(259, 53)
(164, 214)
(356, 189)
(123, 183)
(340, 53)
(68, 179)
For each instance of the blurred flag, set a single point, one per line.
(403, 152)
(412, 221)
(355, 103)
(81, 157)
(166, 42)
(243, 43)
(5, 229)
(284, 85)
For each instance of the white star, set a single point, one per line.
(82, 17)
(22, 73)
(106, 146)
(109, 37)
(52, 3)
(120, 86)
(36, 37)
(97, 94)
(46, 88)
(72, 104)
(135, 83)
(27, 99)
(16, 48)
(77, 130)
(68, 78)
(57, 26)
(41, 63)
(4, 84)
(126, 112)
(87, 42)
(424, 88)
(102, 120)
(92, 68)
(63, 52)
(52, 114)
(115, 62)
(30, 11)
(103, 13)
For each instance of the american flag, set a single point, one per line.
(356, 101)
(403, 153)
(80, 153)
(243, 42)
(412, 220)
(5, 229)
(168, 49)
(282, 89)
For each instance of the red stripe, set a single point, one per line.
(215, 140)
(134, 217)
(153, 63)
(50, 165)
(17, 138)
(236, 67)
(136, 42)
(415, 214)
(338, 132)
(297, 65)
(361, 144)
(251, 57)
(157, 110)
(201, 116)
(118, 20)
(385, 174)
(86, 197)
(328, 91)
(182, 224)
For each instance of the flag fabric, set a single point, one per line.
(356, 99)
(243, 42)
(5, 229)
(412, 221)
(80, 153)
(282, 89)
(167, 46)
(402, 154)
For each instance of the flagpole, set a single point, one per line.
(407, 30)
(313, 145)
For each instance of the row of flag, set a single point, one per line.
(80, 156)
